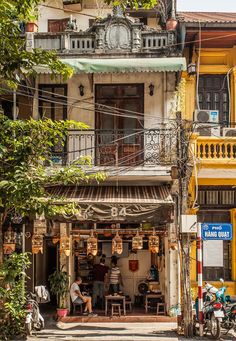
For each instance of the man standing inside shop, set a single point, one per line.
(100, 277)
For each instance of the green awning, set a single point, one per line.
(122, 65)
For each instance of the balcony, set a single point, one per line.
(129, 148)
(215, 150)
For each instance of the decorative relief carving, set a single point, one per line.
(118, 36)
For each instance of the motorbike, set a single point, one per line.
(229, 321)
(33, 320)
(213, 311)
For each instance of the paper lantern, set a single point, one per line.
(8, 248)
(153, 243)
(137, 242)
(37, 243)
(10, 236)
(65, 245)
(117, 244)
(92, 245)
(40, 225)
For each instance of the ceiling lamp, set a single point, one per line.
(117, 244)
(37, 243)
(92, 245)
(65, 245)
(153, 243)
(137, 242)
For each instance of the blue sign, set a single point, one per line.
(217, 231)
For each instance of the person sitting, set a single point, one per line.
(115, 278)
(100, 273)
(78, 298)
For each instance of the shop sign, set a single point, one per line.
(216, 231)
(133, 265)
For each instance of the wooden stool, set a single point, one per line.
(163, 311)
(115, 309)
(129, 305)
(75, 305)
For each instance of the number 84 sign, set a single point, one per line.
(118, 211)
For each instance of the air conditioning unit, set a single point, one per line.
(229, 132)
(208, 130)
(206, 116)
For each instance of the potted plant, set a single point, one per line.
(31, 25)
(59, 285)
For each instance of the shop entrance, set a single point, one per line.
(142, 286)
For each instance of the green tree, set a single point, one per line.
(25, 148)
(133, 3)
(13, 56)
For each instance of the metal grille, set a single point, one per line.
(227, 197)
(212, 197)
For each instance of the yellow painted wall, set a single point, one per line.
(213, 61)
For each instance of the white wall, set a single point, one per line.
(91, 12)
(156, 108)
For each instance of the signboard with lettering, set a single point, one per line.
(216, 231)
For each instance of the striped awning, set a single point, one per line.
(115, 194)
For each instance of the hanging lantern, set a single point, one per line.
(92, 245)
(117, 244)
(137, 242)
(10, 236)
(153, 243)
(8, 249)
(37, 243)
(65, 245)
(40, 224)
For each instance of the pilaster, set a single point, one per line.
(189, 95)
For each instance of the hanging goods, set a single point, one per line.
(153, 243)
(137, 242)
(40, 224)
(9, 245)
(37, 243)
(92, 245)
(65, 245)
(117, 244)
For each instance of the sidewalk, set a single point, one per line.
(113, 332)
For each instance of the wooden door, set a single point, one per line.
(119, 124)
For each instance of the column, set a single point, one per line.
(189, 96)
(233, 96)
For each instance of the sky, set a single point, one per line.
(207, 5)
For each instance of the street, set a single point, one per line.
(113, 332)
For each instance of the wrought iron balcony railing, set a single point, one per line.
(106, 148)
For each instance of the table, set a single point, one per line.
(151, 296)
(114, 298)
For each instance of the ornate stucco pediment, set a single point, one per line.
(117, 33)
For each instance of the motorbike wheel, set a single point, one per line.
(215, 328)
(39, 326)
(28, 328)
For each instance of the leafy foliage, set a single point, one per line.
(12, 295)
(13, 56)
(133, 3)
(25, 147)
(59, 285)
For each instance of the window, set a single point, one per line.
(219, 266)
(58, 25)
(213, 95)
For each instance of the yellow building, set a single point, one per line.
(210, 92)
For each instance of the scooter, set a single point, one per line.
(229, 321)
(33, 320)
(213, 311)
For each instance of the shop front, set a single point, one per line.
(130, 224)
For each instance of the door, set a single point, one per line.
(213, 95)
(119, 124)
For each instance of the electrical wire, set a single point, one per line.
(198, 66)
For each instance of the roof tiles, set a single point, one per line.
(207, 17)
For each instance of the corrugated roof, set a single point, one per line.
(207, 17)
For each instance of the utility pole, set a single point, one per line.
(182, 162)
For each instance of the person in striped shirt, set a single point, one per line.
(115, 279)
